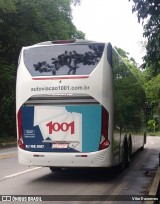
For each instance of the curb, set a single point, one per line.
(155, 186)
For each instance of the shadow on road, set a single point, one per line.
(91, 175)
(81, 175)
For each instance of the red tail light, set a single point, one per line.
(20, 137)
(104, 138)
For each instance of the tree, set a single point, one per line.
(148, 11)
(131, 63)
(153, 93)
(29, 22)
(7, 99)
(128, 110)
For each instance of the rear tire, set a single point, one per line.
(129, 150)
(144, 142)
(126, 156)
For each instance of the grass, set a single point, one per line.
(154, 133)
(8, 141)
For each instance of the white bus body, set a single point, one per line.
(74, 106)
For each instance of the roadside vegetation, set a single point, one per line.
(148, 14)
(154, 133)
(24, 23)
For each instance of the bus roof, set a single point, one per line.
(66, 42)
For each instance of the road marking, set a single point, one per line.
(22, 172)
(8, 156)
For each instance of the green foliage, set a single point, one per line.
(24, 23)
(131, 63)
(151, 86)
(148, 11)
(152, 125)
(153, 89)
(29, 22)
(129, 94)
(153, 94)
(7, 98)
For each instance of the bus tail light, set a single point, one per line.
(104, 138)
(20, 137)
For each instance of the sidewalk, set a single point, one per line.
(155, 188)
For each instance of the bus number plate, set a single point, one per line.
(59, 146)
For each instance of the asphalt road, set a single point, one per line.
(16, 179)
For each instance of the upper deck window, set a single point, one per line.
(67, 59)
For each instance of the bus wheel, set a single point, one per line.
(55, 169)
(126, 157)
(129, 151)
(144, 142)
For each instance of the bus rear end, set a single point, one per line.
(61, 118)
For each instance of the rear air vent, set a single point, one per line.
(60, 100)
(101, 157)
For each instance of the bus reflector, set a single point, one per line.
(37, 155)
(81, 155)
(104, 135)
(20, 138)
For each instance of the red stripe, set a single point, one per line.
(58, 78)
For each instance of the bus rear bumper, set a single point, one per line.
(94, 159)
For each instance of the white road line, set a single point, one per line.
(22, 172)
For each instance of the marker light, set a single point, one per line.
(104, 138)
(20, 137)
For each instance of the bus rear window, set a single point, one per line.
(69, 59)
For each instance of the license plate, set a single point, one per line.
(60, 146)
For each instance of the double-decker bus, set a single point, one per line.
(77, 105)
